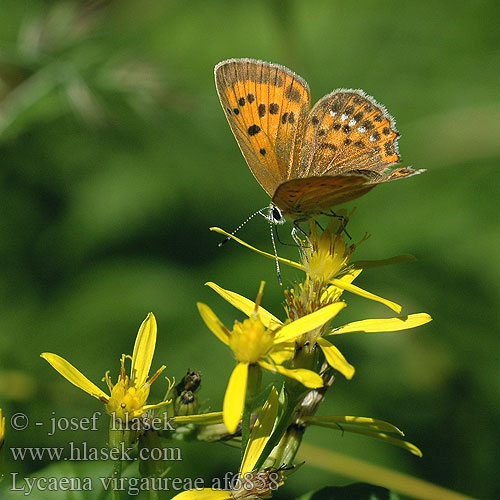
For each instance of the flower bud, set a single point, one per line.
(186, 404)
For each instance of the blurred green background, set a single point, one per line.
(116, 158)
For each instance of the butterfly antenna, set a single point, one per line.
(278, 272)
(241, 225)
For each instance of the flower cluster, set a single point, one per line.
(298, 351)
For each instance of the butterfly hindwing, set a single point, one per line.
(266, 106)
(401, 173)
(346, 131)
(304, 197)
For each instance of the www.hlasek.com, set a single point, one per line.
(80, 452)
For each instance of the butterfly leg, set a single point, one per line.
(284, 243)
(296, 229)
(343, 221)
(319, 225)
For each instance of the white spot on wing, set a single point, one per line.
(372, 139)
(362, 129)
(352, 122)
(333, 113)
(343, 117)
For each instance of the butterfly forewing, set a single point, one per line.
(266, 106)
(346, 131)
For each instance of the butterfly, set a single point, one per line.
(306, 160)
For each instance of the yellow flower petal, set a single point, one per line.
(213, 322)
(283, 352)
(201, 419)
(309, 322)
(335, 358)
(245, 305)
(260, 433)
(145, 408)
(384, 324)
(363, 293)
(204, 494)
(350, 275)
(2, 428)
(265, 254)
(144, 349)
(71, 374)
(307, 378)
(234, 399)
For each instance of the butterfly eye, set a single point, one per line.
(277, 215)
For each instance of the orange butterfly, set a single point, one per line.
(306, 161)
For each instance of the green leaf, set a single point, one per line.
(357, 491)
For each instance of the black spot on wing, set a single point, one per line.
(389, 148)
(273, 108)
(253, 129)
(261, 110)
(292, 93)
(368, 124)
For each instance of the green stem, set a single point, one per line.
(116, 474)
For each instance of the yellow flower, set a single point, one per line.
(325, 256)
(2, 428)
(332, 354)
(128, 396)
(261, 340)
(325, 260)
(251, 484)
